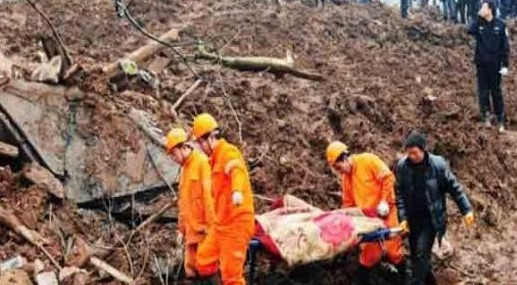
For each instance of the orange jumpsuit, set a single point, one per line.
(370, 182)
(196, 205)
(228, 240)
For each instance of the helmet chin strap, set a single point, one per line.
(183, 158)
(210, 146)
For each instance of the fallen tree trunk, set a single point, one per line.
(269, 64)
(8, 150)
(140, 55)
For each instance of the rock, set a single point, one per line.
(41, 176)
(13, 263)
(80, 278)
(14, 277)
(38, 266)
(47, 278)
(74, 94)
(70, 272)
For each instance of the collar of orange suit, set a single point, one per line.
(189, 158)
(217, 150)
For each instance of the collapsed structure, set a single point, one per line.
(97, 132)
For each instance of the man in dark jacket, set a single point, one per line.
(491, 58)
(422, 181)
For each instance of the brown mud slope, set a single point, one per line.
(384, 77)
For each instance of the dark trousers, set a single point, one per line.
(461, 8)
(473, 7)
(449, 10)
(404, 8)
(489, 87)
(421, 239)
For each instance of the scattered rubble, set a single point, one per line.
(383, 75)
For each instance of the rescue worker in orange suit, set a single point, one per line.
(196, 202)
(233, 229)
(368, 183)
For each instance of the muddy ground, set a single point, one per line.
(384, 76)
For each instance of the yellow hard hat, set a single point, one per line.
(334, 150)
(175, 137)
(203, 124)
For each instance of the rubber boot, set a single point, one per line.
(362, 276)
(209, 280)
(403, 276)
(430, 279)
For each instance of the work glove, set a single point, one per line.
(469, 220)
(237, 198)
(383, 209)
(504, 71)
(405, 227)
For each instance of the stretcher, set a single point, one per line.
(256, 245)
(327, 233)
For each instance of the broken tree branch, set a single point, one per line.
(111, 270)
(8, 150)
(146, 259)
(239, 124)
(143, 53)
(269, 64)
(184, 95)
(150, 220)
(54, 31)
(83, 254)
(128, 256)
(10, 221)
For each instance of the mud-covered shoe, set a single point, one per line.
(210, 280)
(487, 123)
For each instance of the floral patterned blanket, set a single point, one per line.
(303, 233)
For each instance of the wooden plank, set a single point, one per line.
(8, 150)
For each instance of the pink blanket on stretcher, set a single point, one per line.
(303, 233)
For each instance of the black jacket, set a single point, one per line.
(439, 181)
(492, 45)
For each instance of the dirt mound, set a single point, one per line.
(384, 77)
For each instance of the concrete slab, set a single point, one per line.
(42, 114)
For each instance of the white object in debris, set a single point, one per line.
(38, 266)
(13, 263)
(48, 71)
(47, 278)
(6, 66)
(69, 272)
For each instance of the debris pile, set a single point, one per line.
(381, 77)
